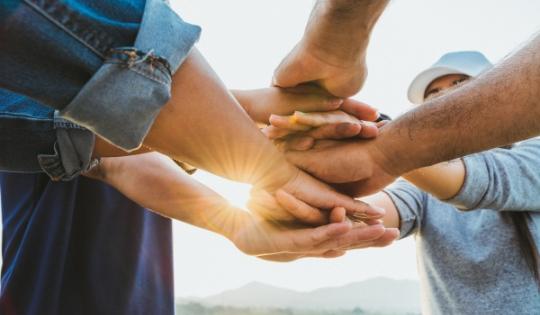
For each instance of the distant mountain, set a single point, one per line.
(378, 294)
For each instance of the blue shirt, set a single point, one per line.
(80, 247)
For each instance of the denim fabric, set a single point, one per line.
(106, 65)
(34, 140)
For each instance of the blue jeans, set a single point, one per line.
(104, 65)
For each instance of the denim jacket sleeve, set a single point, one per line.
(34, 139)
(105, 65)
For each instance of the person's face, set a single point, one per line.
(443, 84)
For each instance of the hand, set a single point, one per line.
(336, 216)
(332, 52)
(334, 125)
(261, 103)
(307, 63)
(353, 119)
(258, 237)
(284, 208)
(308, 195)
(357, 168)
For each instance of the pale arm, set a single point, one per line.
(443, 180)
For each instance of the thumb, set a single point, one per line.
(293, 71)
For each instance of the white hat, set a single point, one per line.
(471, 63)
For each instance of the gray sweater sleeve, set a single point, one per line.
(502, 179)
(410, 203)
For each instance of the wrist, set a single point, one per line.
(232, 223)
(389, 154)
(276, 176)
(339, 30)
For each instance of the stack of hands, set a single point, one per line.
(302, 207)
(304, 122)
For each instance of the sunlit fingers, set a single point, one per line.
(266, 206)
(288, 123)
(300, 210)
(272, 132)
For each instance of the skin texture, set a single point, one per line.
(156, 182)
(332, 52)
(473, 118)
(443, 180)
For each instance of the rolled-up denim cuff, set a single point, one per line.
(72, 151)
(123, 98)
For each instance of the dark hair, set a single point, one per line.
(526, 242)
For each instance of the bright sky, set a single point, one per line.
(244, 40)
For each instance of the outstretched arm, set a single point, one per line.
(156, 182)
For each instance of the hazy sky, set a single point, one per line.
(244, 40)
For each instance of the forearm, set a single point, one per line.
(211, 131)
(497, 108)
(391, 217)
(443, 180)
(341, 28)
(155, 182)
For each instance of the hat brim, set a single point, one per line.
(418, 86)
